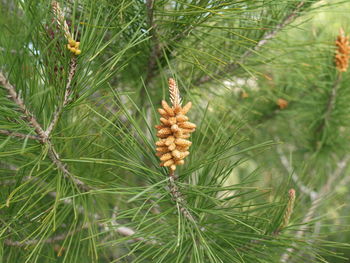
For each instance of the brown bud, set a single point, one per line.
(172, 121)
(162, 149)
(182, 142)
(169, 162)
(164, 121)
(184, 136)
(343, 52)
(174, 128)
(161, 142)
(166, 157)
(184, 131)
(176, 154)
(181, 118)
(167, 108)
(187, 125)
(186, 108)
(172, 147)
(163, 113)
(282, 103)
(164, 131)
(179, 162)
(169, 140)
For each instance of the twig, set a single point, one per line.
(178, 198)
(125, 231)
(11, 51)
(115, 226)
(330, 103)
(27, 115)
(50, 240)
(43, 137)
(122, 230)
(62, 23)
(315, 204)
(68, 91)
(263, 41)
(19, 135)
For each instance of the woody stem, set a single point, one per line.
(178, 198)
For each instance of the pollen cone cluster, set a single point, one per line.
(343, 52)
(73, 46)
(174, 130)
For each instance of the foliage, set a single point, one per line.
(84, 184)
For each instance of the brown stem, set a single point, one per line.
(50, 240)
(68, 91)
(19, 135)
(330, 103)
(43, 137)
(124, 231)
(178, 198)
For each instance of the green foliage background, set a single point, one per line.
(246, 153)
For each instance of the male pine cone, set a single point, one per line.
(343, 52)
(172, 146)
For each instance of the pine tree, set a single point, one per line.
(174, 131)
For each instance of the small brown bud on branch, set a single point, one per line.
(342, 53)
(288, 212)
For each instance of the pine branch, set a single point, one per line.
(62, 23)
(43, 137)
(19, 135)
(262, 42)
(125, 231)
(316, 203)
(330, 104)
(68, 91)
(50, 240)
(27, 115)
